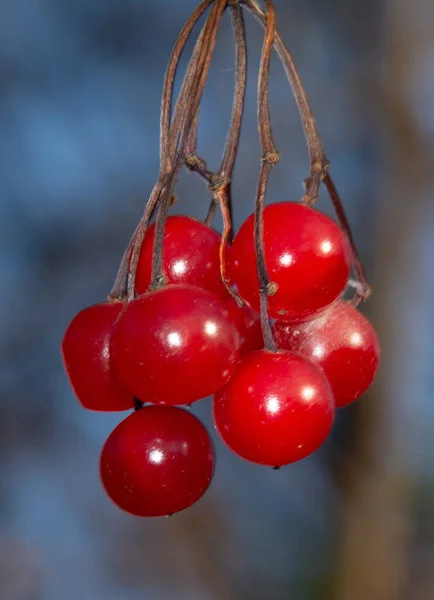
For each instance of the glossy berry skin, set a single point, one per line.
(190, 256)
(307, 255)
(158, 461)
(276, 409)
(248, 324)
(85, 352)
(174, 346)
(342, 342)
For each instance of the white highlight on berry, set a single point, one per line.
(273, 405)
(356, 339)
(156, 456)
(210, 328)
(174, 339)
(326, 247)
(180, 267)
(318, 351)
(286, 260)
(307, 393)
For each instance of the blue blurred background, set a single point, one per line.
(79, 124)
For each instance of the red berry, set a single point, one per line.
(248, 324)
(190, 256)
(158, 461)
(174, 346)
(307, 256)
(341, 341)
(276, 409)
(85, 351)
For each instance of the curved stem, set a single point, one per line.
(119, 288)
(223, 176)
(139, 235)
(169, 80)
(363, 290)
(318, 160)
(198, 76)
(270, 158)
(185, 93)
(211, 212)
(233, 138)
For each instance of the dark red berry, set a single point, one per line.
(276, 409)
(248, 324)
(85, 351)
(158, 461)
(307, 256)
(174, 346)
(341, 341)
(190, 256)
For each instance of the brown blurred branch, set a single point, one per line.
(374, 544)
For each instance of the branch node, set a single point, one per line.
(216, 184)
(272, 288)
(271, 158)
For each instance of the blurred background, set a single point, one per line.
(79, 119)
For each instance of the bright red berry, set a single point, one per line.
(341, 341)
(307, 256)
(158, 461)
(276, 409)
(174, 346)
(85, 351)
(190, 256)
(248, 324)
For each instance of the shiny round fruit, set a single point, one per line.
(85, 352)
(248, 324)
(158, 461)
(276, 409)
(190, 256)
(174, 346)
(342, 342)
(307, 255)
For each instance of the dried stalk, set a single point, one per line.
(319, 165)
(178, 140)
(269, 159)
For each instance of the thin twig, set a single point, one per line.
(169, 80)
(185, 93)
(270, 158)
(211, 212)
(223, 176)
(363, 290)
(318, 160)
(198, 81)
(124, 285)
(319, 165)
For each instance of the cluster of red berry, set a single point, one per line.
(190, 339)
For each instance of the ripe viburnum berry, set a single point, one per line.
(342, 342)
(190, 255)
(86, 357)
(276, 409)
(307, 257)
(158, 461)
(174, 346)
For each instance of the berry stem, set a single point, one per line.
(363, 290)
(124, 285)
(198, 75)
(223, 176)
(319, 165)
(167, 147)
(270, 158)
(318, 160)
